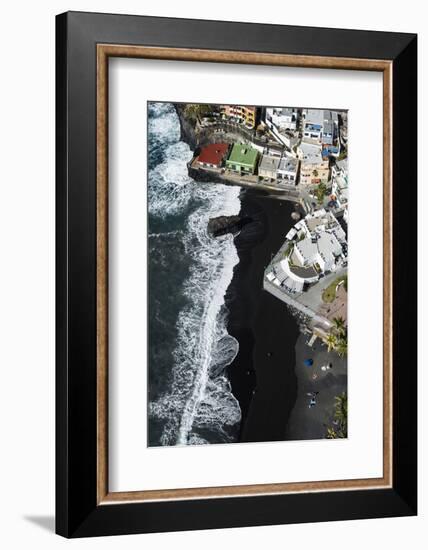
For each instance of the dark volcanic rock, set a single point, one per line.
(187, 126)
(227, 224)
(196, 136)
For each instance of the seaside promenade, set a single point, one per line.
(250, 181)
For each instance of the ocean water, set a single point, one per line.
(190, 397)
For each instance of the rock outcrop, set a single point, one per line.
(227, 224)
(187, 127)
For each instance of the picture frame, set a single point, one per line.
(84, 44)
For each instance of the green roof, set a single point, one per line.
(243, 155)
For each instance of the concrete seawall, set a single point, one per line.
(293, 302)
(202, 175)
(272, 289)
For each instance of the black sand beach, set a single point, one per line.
(311, 422)
(262, 375)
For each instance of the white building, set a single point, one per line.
(282, 121)
(321, 251)
(284, 118)
(324, 241)
(330, 127)
(340, 169)
(320, 126)
(329, 250)
(268, 167)
(313, 125)
(315, 246)
(288, 170)
(306, 251)
(339, 175)
(321, 221)
(289, 139)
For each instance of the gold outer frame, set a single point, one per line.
(104, 52)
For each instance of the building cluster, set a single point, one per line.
(280, 168)
(314, 247)
(242, 114)
(304, 150)
(308, 145)
(246, 160)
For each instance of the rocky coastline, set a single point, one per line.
(187, 127)
(227, 224)
(198, 137)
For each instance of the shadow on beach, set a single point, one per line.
(262, 374)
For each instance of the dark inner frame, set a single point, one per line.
(77, 512)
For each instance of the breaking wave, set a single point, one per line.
(196, 405)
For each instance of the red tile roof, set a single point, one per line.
(213, 153)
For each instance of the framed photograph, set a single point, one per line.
(236, 274)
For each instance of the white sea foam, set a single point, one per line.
(163, 235)
(199, 400)
(171, 191)
(163, 127)
(210, 401)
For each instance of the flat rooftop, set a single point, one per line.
(213, 153)
(269, 163)
(288, 164)
(314, 116)
(243, 154)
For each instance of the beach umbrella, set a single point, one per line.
(308, 362)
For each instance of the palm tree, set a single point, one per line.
(342, 346)
(195, 110)
(331, 341)
(321, 191)
(331, 434)
(340, 429)
(341, 407)
(339, 324)
(341, 412)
